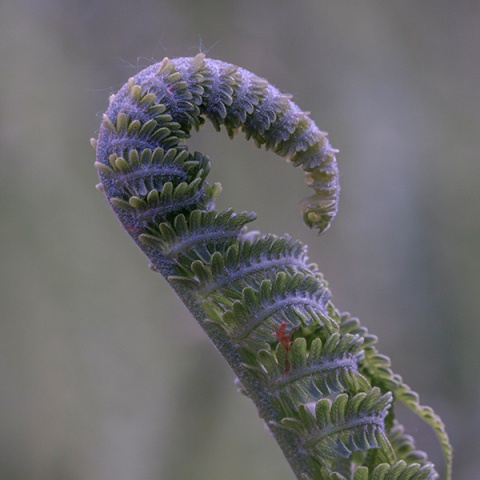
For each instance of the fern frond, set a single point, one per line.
(266, 308)
(291, 298)
(343, 426)
(316, 371)
(248, 263)
(197, 235)
(377, 368)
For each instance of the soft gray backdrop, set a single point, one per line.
(103, 374)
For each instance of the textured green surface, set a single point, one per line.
(252, 303)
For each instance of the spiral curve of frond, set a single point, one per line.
(313, 373)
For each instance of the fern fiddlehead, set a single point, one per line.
(314, 374)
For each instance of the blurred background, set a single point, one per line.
(103, 373)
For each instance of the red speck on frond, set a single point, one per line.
(285, 339)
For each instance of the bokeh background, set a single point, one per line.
(103, 373)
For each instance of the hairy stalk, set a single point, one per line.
(314, 374)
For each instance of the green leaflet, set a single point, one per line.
(314, 374)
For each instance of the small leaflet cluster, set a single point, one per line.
(315, 374)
